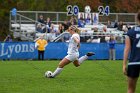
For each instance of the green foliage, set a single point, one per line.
(91, 77)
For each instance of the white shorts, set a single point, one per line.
(72, 57)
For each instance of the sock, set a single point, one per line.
(82, 59)
(57, 71)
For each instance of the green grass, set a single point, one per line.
(91, 77)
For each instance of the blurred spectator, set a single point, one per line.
(88, 19)
(73, 20)
(128, 26)
(115, 24)
(95, 19)
(53, 29)
(81, 21)
(109, 24)
(41, 44)
(48, 24)
(96, 38)
(65, 24)
(112, 53)
(120, 25)
(40, 28)
(61, 28)
(8, 39)
(41, 20)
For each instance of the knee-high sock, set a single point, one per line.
(57, 71)
(82, 59)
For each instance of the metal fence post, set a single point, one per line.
(135, 19)
(117, 17)
(57, 17)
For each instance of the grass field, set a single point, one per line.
(91, 77)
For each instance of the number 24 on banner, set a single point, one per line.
(103, 10)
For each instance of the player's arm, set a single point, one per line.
(46, 43)
(126, 53)
(36, 45)
(76, 40)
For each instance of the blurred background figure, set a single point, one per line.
(81, 21)
(48, 25)
(41, 44)
(73, 20)
(88, 19)
(8, 39)
(40, 28)
(109, 24)
(41, 19)
(112, 53)
(95, 18)
(120, 25)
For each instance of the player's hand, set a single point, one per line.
(124, 70)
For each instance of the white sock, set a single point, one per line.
(82, 59)
(57, 71)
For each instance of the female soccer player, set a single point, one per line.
(73, 53)
(132, 45)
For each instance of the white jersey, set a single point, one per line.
(73, 46)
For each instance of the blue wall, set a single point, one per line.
(26, 50)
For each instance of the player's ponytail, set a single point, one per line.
(74, 28)
(77, 31)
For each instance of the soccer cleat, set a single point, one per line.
(90, 54)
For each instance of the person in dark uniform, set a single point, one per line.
(132, 46)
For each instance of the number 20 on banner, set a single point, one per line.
(103, 10)
(72, 10)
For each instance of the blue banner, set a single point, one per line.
(26, 50)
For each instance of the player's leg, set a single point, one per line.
(42, 55)
(114, 54)
(132, 84)
(62, 63)
(133, 74)
(38, 55)
(76, 63)
(85, 57)
(110, 54)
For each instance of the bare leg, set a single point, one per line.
(132, 85)
(114, 54)
(76, 63)
(63, 63)
(110, 54)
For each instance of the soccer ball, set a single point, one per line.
(48, 74)
(87, 9)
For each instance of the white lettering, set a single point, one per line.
(11, 48)
(2, 50)
(17, 48)
(32, 48)
(24, 48)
